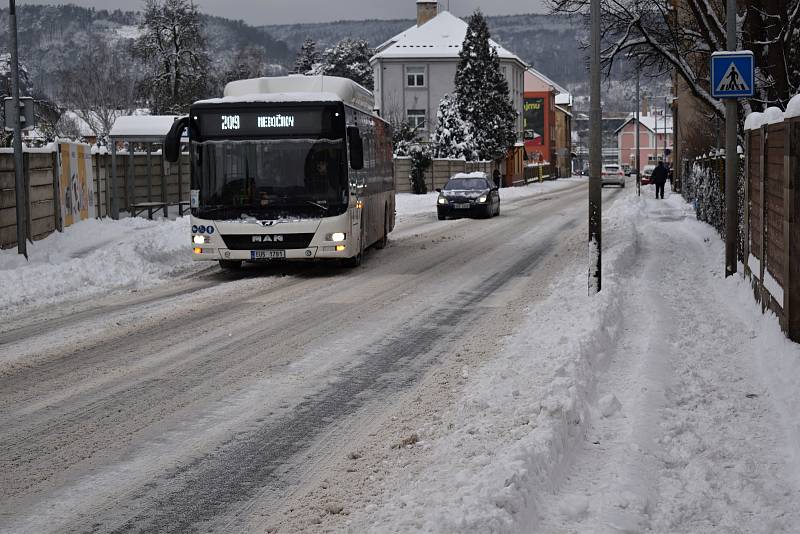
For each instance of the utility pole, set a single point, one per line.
(638, 148)
(19, 182)
(595, 160)
(666, 109)
(655, 127)
(731, 159)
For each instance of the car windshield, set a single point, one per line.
(462, 184)
(611, 168)
(270, 178)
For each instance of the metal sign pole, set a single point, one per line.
(19, 182)
(731, 159)
(596, 160)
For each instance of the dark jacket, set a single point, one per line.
(660, 174)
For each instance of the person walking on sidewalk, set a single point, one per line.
(660, 174)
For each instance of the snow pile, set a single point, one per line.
(520, 415)
(773, 115)
(754, 121)
(793, 109)
(95, 256)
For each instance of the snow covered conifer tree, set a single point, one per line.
(307, 57)
(173, 48)
(501, 116)
(452, 138)
(349, 59)
(483, 99)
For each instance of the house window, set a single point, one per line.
(415, 76)
(416, 118)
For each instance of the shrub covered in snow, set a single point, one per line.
(420, 161)
(453, 137)
(703, 185)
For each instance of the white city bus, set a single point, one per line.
(294, 168)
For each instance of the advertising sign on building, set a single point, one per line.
(76, 183)
(533, 119)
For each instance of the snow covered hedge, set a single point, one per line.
(703, 185)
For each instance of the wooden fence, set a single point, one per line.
(135, 184)
(772, 220)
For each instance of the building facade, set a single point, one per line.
(415, 69)
(655, 140)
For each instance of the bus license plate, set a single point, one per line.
(267, 254)
(464, 206)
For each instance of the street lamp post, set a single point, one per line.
(596, 161)
(638, 148)
(19, 182)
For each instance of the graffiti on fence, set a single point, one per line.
(76, 183)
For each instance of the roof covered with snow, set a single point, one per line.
(142, 126)
(440, 37)
(651, 122)
(297, 88)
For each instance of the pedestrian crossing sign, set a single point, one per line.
(732, 74)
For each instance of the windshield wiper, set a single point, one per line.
(317, 205)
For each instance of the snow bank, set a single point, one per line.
(793, 109)
(95, 256)
(520, 415)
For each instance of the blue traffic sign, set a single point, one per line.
(732, 74)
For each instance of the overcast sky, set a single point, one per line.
(258, 12)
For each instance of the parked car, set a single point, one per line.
(647, 174)
(613, 175)
(626, 169)
(468, 194)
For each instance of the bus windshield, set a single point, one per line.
(269, 179)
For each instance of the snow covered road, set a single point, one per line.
(226, 403)
(477, 389)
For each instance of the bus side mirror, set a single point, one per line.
(356, 148)
(172, 142)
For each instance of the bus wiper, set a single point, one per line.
(317, 205)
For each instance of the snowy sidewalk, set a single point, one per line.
(666, 404)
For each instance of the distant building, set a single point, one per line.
(655, 140)
(547, 121)
(416, 68)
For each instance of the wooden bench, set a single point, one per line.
(150, 208)
(183, 205)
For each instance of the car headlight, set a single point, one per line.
(442, 200)
(336, 237)
(482, 199)
(199, 240)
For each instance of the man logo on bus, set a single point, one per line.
(267, 239)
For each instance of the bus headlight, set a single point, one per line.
(442, 200)
(482, 199)
(199, 240)
(336, 237)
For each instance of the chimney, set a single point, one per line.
(426, 10)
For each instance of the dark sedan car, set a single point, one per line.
(468, 194)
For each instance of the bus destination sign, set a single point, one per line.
(229, 123)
